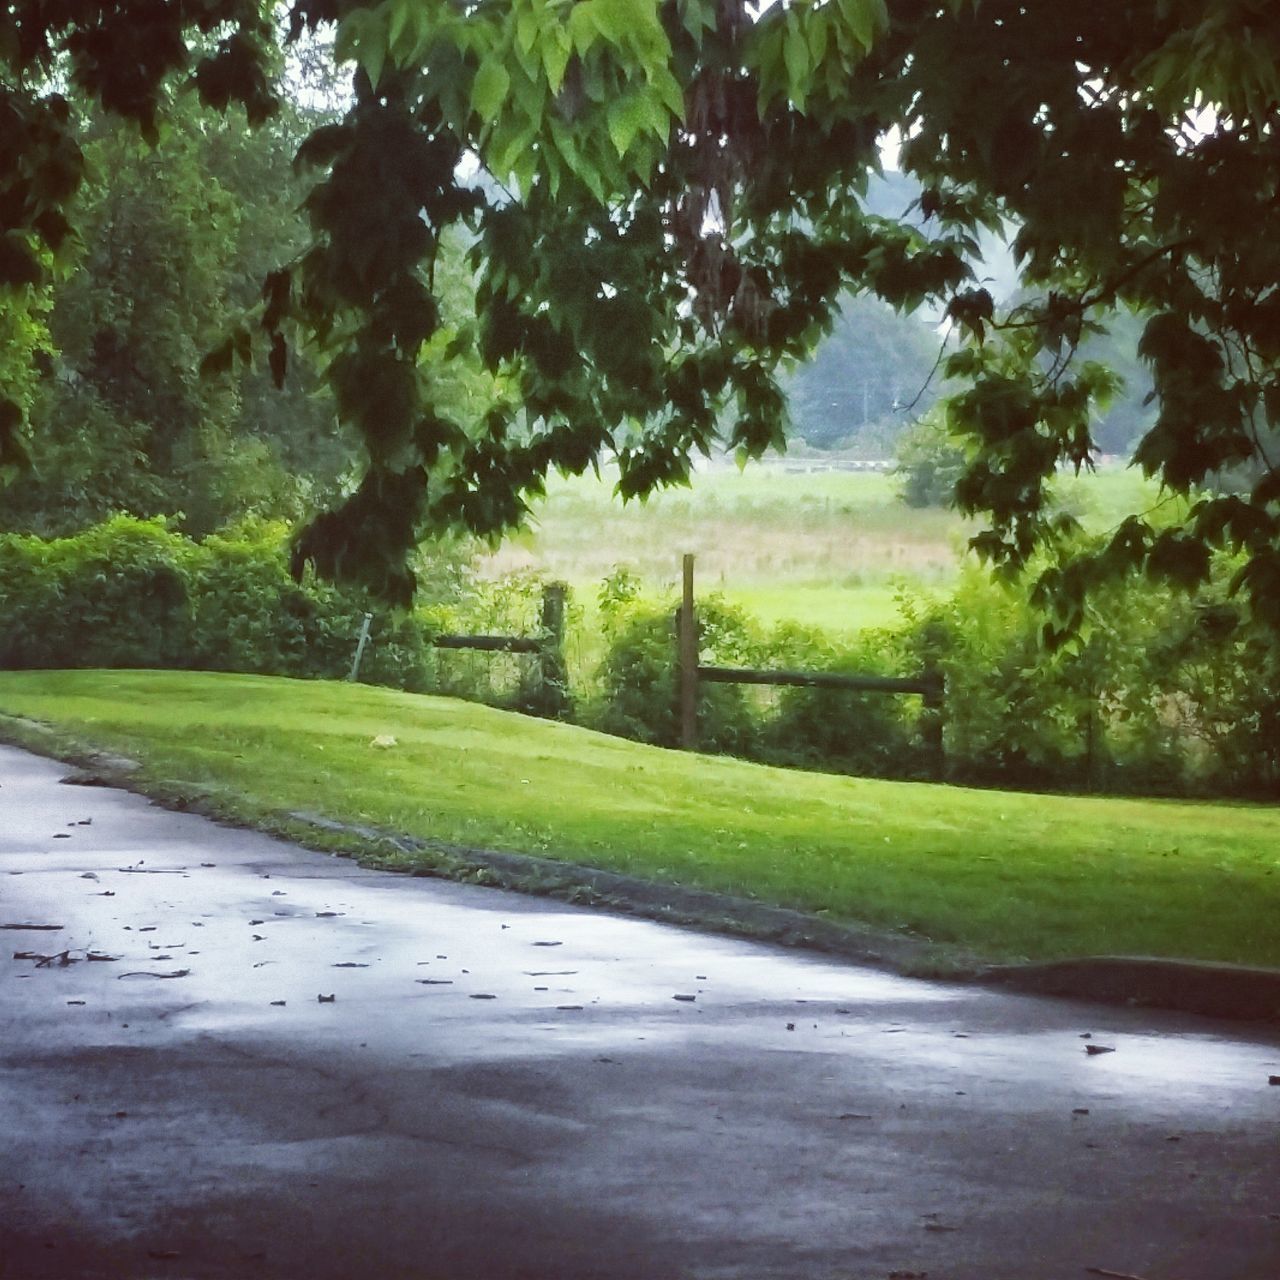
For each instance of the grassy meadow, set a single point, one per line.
(1005, 876)
(784, 539)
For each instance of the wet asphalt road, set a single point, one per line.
(506, 1087)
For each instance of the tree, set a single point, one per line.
(670, 210)
(930, 462)
(863, 376)
(173, 243)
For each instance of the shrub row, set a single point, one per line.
(1162, 694)
(132, 593)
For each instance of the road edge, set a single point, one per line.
(1233, 992)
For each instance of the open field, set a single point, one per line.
(826, 548)
(1003, 875)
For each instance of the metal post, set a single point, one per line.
(364, 639)
(688, 641)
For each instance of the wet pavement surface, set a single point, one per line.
(236, 1058)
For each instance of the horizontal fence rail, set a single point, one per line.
(490, 644)
(929, 684)
(925, 686)
(552, 697)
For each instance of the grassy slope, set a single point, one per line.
(1005, 875)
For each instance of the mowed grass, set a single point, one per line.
(1007, 876)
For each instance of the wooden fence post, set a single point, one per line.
(554, 695)
(687, 638)
(931, 720)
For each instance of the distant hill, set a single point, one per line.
(871, 376)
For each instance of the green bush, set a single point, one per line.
(638, 681)
(132, 593)
(118, 595)
(838, 729)
(1162, 693)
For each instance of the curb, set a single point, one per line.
(1231, 991)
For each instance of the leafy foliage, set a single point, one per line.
(930, 462)
(668, 208)
(133, 593)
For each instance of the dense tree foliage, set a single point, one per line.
(665, 204)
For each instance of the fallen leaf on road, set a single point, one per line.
(350, 964)
(146, 973)
(685, 999)
(1112, 1275)
(62, 957)
(854, 1115)
(482, 995)
(40, 928)
(537, 944)
(329, 999)
(1094, 1049)
(434, 982)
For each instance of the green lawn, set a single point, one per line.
(1005, 875)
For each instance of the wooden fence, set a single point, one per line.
(547, 646)
(928, 685)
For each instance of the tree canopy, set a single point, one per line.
(664, 201)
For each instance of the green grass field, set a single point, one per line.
(1004, 875)
(824, 548)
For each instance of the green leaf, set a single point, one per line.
(489, 89)
(612, 19)
(795, 53)
(865, 18)
(669, 92)
(526, 30)
(626, 117)
(583, 28)
(556, 49)
(372, 55)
